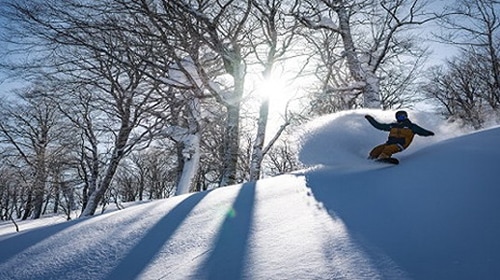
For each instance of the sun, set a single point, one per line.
(275, 89)
(282, 90)
(272, 87)
(277, 92)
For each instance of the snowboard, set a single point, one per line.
(388, 160)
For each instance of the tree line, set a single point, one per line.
(127, 100)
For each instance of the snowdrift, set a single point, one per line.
(434, 216)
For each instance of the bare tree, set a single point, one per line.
(474, 27)
(128, 100)
(459, 89)
(159, 175)
(11, 189)
(154, 172)
(468, 88)
(212, 36)
(111, 93)
(371, 33)
(282, 159)
(275, 32)
(30, 128)
(331, 93)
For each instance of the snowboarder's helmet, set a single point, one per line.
(401, 116)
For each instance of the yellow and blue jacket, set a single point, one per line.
(400, 133)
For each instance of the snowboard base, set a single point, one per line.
(388, 160)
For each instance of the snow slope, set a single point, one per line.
(434, 216)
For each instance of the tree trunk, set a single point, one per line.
(257, 151)
(93, 165)
(359, 72)
(38, 194)
(29, 206)
(191, 159)
(98, 194)
(231, 146)
(103, 186)
(40, 179)
(57, 198)
(191, 150)
(231, 141)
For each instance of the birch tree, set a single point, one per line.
(328, 96)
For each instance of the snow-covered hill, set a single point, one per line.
(434, 216)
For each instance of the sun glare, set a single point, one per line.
(281, 89)
(271, 88)
(276, 90)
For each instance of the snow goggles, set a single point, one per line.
(401, 117)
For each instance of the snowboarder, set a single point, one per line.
(401, 134)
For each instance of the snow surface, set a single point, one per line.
(434, 216)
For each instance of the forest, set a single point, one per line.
(113, 101)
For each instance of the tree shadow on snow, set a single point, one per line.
(401, 228)
(12, 246)
(369, 213)
(139, 257)
(229, 252)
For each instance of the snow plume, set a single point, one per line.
(346, 137)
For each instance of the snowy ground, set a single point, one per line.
(434, 216)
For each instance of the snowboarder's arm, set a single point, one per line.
(421, 131)
(376, 124)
